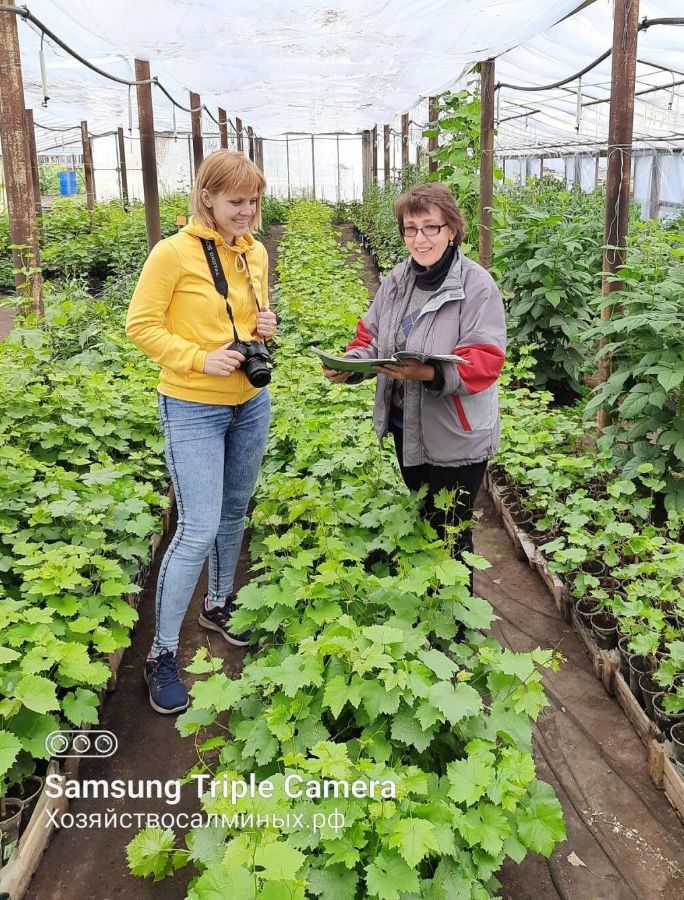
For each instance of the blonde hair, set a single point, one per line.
(230, 172)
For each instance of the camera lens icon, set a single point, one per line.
(75, 742)
(105, 744)
(56, 743)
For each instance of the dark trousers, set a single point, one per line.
(465, 480)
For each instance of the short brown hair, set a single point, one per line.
(226, 170)
(419, 199)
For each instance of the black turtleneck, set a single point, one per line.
(429, 279)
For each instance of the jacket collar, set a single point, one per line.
(450, 289)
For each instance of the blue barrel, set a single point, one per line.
(73, 184)
(64, 184)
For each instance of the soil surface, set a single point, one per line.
(6, 321)
(624, 840)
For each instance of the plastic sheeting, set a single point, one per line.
(548, 119)
(302, 66)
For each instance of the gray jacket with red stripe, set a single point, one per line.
(458, 424)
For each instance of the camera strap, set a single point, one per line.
(221, 282)
(219, 276)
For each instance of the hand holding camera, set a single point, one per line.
(223, 361)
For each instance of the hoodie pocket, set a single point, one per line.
(477, 412)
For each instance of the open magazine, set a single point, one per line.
(344, 364)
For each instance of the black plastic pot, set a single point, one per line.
(605, 629)
(649, 688)
(28, 791)
(609, 584)
(638, 666)
(585, 610)
(523, 519)
(499, 477)
(677, 738)
(674, 621)
(539, 537)
(624, 656)
(593, 567)
(665, 721)
(10, 824)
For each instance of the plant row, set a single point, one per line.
(373, 662)
(110, 240)
(80, 491)
(598, 532)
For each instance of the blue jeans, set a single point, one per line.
(213, 454)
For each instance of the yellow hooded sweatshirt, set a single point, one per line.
(177, 316)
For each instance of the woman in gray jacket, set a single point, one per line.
(444, 418)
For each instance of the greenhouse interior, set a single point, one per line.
(342, 457)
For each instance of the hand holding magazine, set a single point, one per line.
(344, 364)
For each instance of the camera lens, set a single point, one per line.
(257, 373)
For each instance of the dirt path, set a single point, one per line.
(620, 827)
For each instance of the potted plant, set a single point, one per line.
(10, 824)
(677, 737)
(668, 709)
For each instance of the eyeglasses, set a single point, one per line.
(427, 230)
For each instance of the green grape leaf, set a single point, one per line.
(389, 876)
(81, 707)
(150, 853)
(540, 819)
(414, 838)
(455, 703)
(37, 693)
(469, 778)
(10, 745)
(280, 862)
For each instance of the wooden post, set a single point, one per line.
(432, 142)
(238, 130)
(374, 153)
(88, 166)
(386, 149)
(17, 162)
(148, 153)
(313, 166)
(196, 120)
(404, 142)
(250, 136)
(191, 165)
(618, 176)
(260, 153)
(365, 159)
(35, 172)
(577, 172)
(223, 128)
(123, 174)
(339, 192)
(486, 160)
(287, 164)
(654, 204)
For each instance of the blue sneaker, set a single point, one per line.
(218, 619)
(168, 694)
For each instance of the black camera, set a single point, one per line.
(257, 359)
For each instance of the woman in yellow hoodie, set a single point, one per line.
(215, 420)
